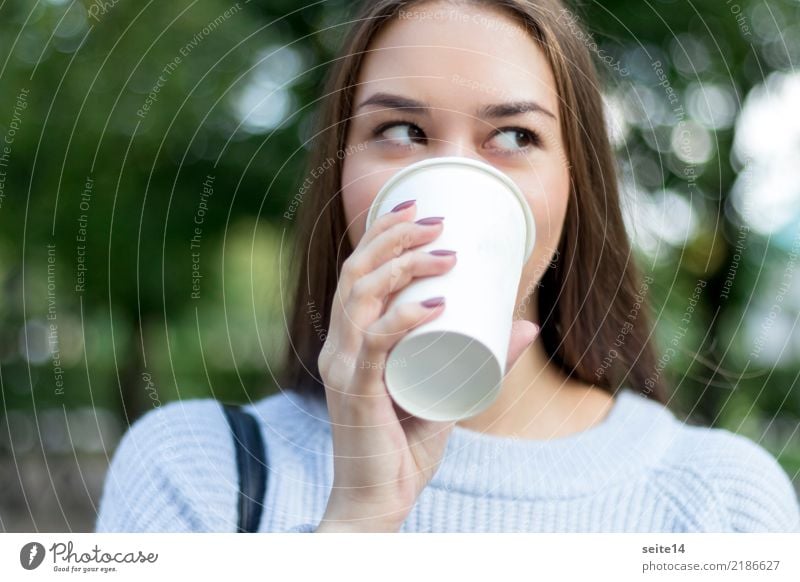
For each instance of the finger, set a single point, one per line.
(383, 335)
(369, 298)
(389, 244)
(388, 237)
(523, 334)
(386, 221)
(352, 267)
(397, 273)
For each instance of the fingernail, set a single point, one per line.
(430, 220)
(403, 205)
(433, 302)
(442, 253)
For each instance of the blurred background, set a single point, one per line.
(149, 150)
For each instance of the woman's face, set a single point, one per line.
(485, 91)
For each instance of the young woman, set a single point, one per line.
(579, 439)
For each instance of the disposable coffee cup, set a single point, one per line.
(452, 367)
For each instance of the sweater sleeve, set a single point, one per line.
(175, 471)
(753, 490)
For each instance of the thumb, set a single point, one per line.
(523, 333)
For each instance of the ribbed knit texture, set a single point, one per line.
(639, 470)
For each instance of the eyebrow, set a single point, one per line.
(494, 111)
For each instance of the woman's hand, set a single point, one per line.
(383, 456)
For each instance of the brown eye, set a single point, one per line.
(401, 133)
(511, 139)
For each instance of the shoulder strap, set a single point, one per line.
(251, 464)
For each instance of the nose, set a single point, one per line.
(456, 145)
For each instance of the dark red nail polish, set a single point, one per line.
(430, 220)
(442, 253)
(403, 205)
(433, 302)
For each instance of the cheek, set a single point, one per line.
(359, 187)
(548, 198)
(549, 210)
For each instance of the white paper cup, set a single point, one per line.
(452, 367)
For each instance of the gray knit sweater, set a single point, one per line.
(639, 470)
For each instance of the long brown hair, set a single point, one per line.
(591, 302)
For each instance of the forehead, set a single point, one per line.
(457, 52)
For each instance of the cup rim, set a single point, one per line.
(460, 161)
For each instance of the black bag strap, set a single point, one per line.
(251, 464)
